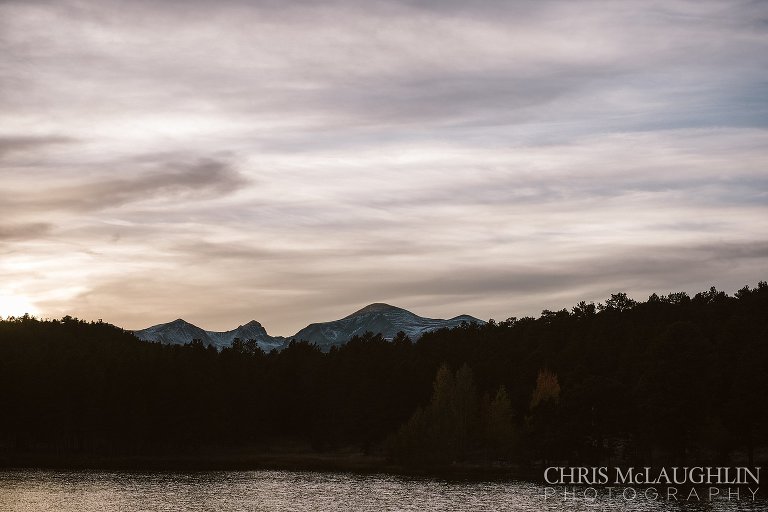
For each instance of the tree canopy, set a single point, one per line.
(673, 378)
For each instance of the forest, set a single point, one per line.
(672, 379)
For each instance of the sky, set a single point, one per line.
(291, 162)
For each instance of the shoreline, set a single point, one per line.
(337, 462)
(320, 462)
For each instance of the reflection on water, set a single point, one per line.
(227, 491)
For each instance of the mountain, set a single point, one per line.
(180, 332)
(177, 332)
(377, 318)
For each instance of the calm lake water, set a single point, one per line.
(227, 491)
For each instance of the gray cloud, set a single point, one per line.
(185, 180)
(610, 272)
(9, 232)
(167, 181)
(13, 144)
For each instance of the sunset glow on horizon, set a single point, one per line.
(16, 306)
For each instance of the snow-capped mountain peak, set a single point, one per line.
(179, 332)
(377, 318)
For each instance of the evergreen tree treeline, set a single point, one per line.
(674, 378)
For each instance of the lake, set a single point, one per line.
(267, 491)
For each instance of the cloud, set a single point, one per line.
(9, 232)
(13, 144)
(223, 161)
(173, 181)
(164, 181)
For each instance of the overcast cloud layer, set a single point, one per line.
(291, 162)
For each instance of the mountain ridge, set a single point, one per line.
(378, 317)
(180, 331)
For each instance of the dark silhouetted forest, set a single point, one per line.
(674, 378)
